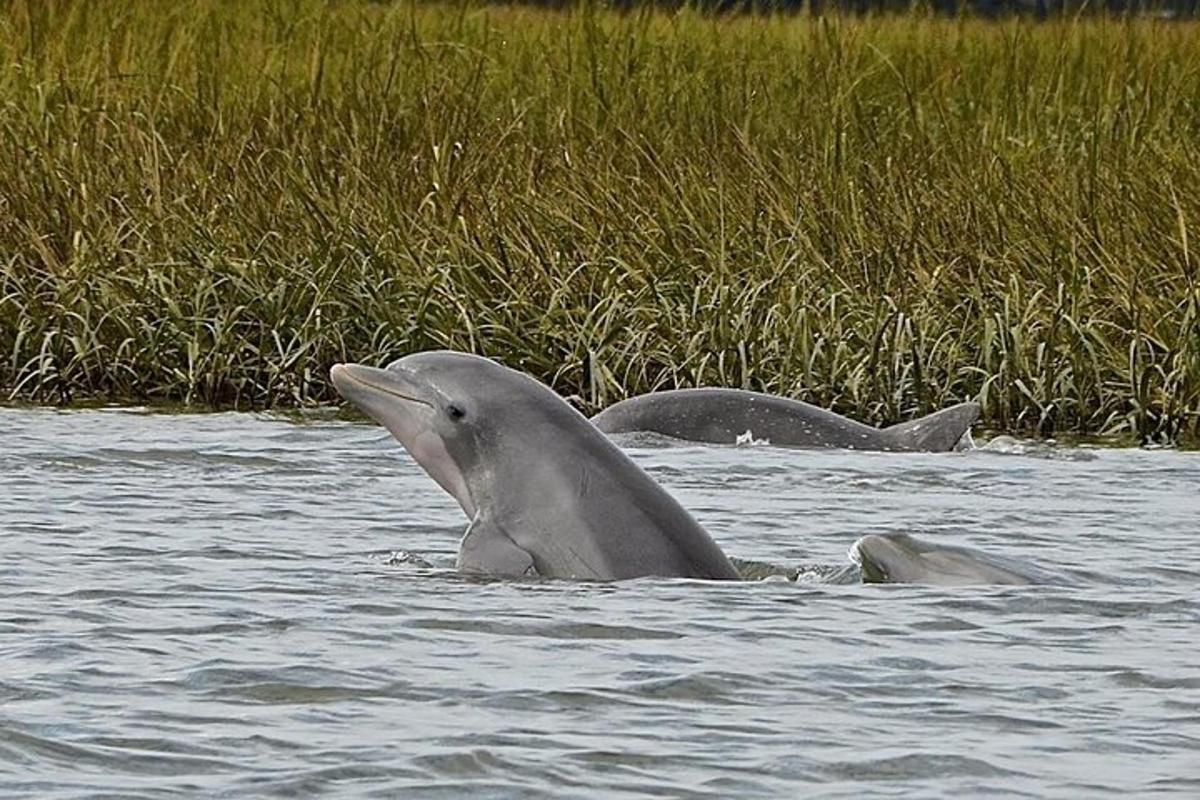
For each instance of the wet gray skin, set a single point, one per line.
(729, 416)
(547, 493)
(900, 558)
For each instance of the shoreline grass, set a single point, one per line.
(210, 203)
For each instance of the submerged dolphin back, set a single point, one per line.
(727, 416)
(730, 416)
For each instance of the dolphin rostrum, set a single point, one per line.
(546, 492)
(732, 416)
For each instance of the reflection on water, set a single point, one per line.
(246, 605)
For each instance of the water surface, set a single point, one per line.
(215, 605)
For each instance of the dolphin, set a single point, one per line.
(900, 558)
(546, 492)
(733, 416)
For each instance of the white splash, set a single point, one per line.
(747, 439)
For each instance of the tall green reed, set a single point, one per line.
(213, 202)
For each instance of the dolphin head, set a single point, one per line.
(893, 558)
(446, 408)
(900, 558)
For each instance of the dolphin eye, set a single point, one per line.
(455, 412)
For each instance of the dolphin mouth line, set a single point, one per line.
(350, 375)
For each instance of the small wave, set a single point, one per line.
(544, 629)
(1048, 449)
(918, 766)
(146, 758)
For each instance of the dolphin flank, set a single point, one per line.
(546, 492)
(729, 416)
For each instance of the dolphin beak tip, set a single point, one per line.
(340, 377)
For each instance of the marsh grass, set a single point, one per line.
(212, 202)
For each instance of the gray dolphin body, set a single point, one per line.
(900, 558)
(728, 416)
(546, 492)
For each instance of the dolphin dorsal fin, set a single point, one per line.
(937, 432)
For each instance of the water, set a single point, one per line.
(212, 605)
